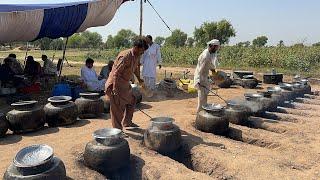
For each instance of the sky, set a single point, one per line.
(293, 21)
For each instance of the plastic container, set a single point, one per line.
(61, 90)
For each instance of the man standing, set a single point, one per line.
(150, 59)
(118, 88)
(207, 60)
(49, 68)
(90, 77)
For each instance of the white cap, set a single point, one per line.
(214, 42)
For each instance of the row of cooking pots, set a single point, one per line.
(108, 152)
(216, 118)
(27, 116)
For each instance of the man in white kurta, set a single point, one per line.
(207, 60)
(149, 60)
(90, 77)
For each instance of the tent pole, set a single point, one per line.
(141, 16)
(25, 57)
(63, 55)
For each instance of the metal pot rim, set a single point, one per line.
(107, 133)
(42, 148)
(89, 94)
(162, 120)
(253, 95)
(59, 99)
(23, 103)
(213, 107)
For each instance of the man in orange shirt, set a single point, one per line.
(118, 87)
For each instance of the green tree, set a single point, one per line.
(57, 44)
(92, 39)
(243, 44)
(190, 42)
(177, 39)
(298, 45)
(316, 44)
(124, 38)
(43, 43)
(222, 30)
(260, 41)
(75, 41)
(159, 40)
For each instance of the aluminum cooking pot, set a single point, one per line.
(162, 123)
(274, 90)
(108, 136)
(213, 108)
(286, 86)
(33, 159)
(253, 96)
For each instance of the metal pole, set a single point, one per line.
(141, 16)
(25, 57)
(63, 56)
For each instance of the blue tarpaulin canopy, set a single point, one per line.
(28, 22)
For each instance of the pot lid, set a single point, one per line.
(253, 95)
(285, 85)
(34, 155)
(59, 99)
(274, 89)
(162, 120)
(248, 76)
(249, 72)
(106, 133)
(213, 107)
(24, 103)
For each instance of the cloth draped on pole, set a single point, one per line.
(28, 22)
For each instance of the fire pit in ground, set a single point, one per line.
(212, 119)
(60, 111)
(36, 162)
(89, 105)
(236, 113)
(271, 78)
(163, 136)
(4, 125)
(108, 152)
(26, 117)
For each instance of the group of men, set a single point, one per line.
(117, 77)
(32, 69)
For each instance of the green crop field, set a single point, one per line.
(291, 60)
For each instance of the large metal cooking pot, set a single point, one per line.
(162, 123)
(26, 117)
(253, 96)
(286, 86)
(108, 136)
(89, 105)
(33, 159)
(215, 109)
(212, 120)
(236, 113)
(4, 125)
(60, 111)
